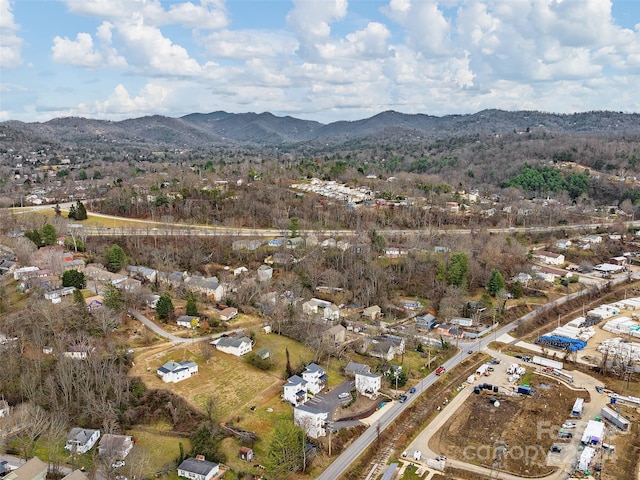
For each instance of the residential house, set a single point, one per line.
(549, 274)
(316, 378)
(523, 278)
(188, 321)
(115, 447)
(75, 475)
(280, 258)
(563, 244)
(277, 242)
(81, 440)
(328, 243)
(295, 242)
(411, 304)
(426, 321)
(330, 311)
(24, 273)
(591, 240)
(79, 352)
(127, 284)
(246, 454)
(172, 372)
(384, 350)
(57, 294)
(335, 335)
(550, 258)
(198, 468)
(265, 272)
(228, 313)
(372, 312)
(295, 390)
(237, 346)
(353, 368)
(618, 261)
(34, 469)
(311, 420)
(209, 286)
(398, 342)
(449, 330)
(246, 244)
(368, 384)
(143, 273)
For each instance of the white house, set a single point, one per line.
(228, 313)
(188, 321)
(198, 468)
(237, 346)
(316, 378)
(81, 440)
(549, 258)
(115, 447)
(295, 390)
(311, 420)
(329, 310)
(265, 272)
(372, 312)
(563, 244)
(172, 372)
(368, 384)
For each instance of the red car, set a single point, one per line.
(440, 370)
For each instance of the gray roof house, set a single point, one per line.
(198, 468)
(352, 368)
(81, 440)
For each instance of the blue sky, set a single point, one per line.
(323, 60)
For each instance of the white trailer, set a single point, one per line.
(546, 362)
(615, 418)
(576, 411)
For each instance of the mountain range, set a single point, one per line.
(199, 130)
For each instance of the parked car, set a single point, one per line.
(402, 399)
(344, 395)
(556, 449)
(569, 425)
(599, 389)
(413, 390)
(441, 458)
(440, 370)
(565, 435)
(118, 464)
(469, 351)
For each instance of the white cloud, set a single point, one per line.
(82, 53)
(426, 27)
(10, 42)
(311, 21)
(120, 104)
(371, 42)
(248, 44)
(208, 14)
(148, 51)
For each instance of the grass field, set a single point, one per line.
(155, 452)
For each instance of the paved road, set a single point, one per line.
(351, 453)
(174, 338)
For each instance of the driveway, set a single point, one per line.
(330, 401)
(170, 336)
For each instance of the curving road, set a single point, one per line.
(170, 336)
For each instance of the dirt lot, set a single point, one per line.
(507, 437)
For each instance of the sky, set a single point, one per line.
(323, 60)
